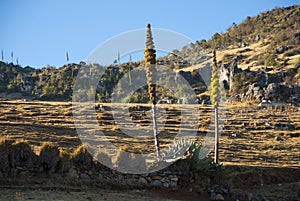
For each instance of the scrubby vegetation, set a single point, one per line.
(280, 25)
(269, 40)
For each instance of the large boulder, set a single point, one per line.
(282, 92)
(227, 72)
(254, 92)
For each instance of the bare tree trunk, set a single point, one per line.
(155, 131)
(216, 159)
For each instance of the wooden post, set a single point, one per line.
(216, 159)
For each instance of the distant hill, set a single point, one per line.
(263, 54)
(269, 40)
(261, 51)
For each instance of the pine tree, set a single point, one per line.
(215, 98)
(150, 64)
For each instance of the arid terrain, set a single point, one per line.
(259, 148)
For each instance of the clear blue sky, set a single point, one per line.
(39, 32)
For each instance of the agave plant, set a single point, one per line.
(215, 98)
(150, 61)
(150, 64)
(178, 149)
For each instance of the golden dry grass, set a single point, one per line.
(248, 136)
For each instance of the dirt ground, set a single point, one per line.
(15, 194)
(100, 194)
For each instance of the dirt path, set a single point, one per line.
(20, 194)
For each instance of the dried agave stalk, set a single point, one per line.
(150, 63)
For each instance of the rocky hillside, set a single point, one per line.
(264, 40)
(259, 59)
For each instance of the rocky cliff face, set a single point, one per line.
(271, 87)
(227, 72)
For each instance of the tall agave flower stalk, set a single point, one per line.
(215, 98)
(150, 62)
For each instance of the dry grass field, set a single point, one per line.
(260, 147)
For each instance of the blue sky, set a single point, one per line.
(39, 32)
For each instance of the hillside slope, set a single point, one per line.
(268, 40)
(262, 50)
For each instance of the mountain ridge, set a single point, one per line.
(263, 46)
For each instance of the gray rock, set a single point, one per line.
(142, 181)
(175, 188)
(73, 173)
(281, 49)
(253, 197)
(213, 196)
(156, 177)
(198, 189)
(156, 183)
(167, 172)
(174, 178)
(120, 178)
(84, 176)
(173, 184)
(257, 38)
(219, 197)
(166, 184)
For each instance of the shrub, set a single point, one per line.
(270, 60)
(204, 166)
(82, 159)
(241, 82)
(64, 164)
(21, 155)
(49, 156)
(5, 146)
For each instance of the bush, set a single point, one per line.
(21, 155)
(241, 81)
(64, 164)
(82, 159)
(5, 146)
(49, 157)
(270, 60)
(205, 166)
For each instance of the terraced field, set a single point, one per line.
(249, 136)
(259, 147)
